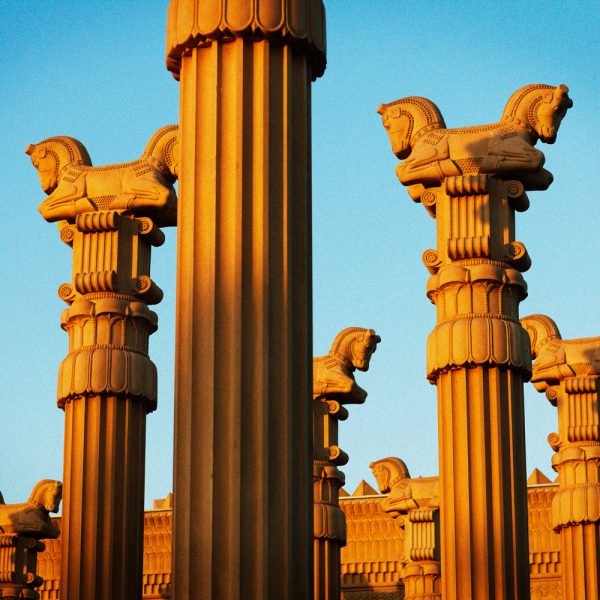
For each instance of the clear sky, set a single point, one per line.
(95, 70)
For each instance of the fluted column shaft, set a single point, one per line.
(242, 458)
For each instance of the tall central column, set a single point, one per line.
(243, 452)
(472, 180)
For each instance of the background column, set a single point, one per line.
(569, 373)
(242, 460)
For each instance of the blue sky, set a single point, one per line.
(95, 71)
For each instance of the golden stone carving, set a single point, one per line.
(31, 518)
(333, 374)
(144, 186)
(433, 153)
(299, 23)
(333, 386)
(22, 526)
(568, 371)
(415, 505)
(473, 180)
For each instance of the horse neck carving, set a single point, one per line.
(535, 107)
(541, 330)
(163, 147)
(407, 119)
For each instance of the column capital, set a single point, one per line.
(433, 153)
(195, 23)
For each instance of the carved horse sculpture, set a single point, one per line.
(75, 186)
(333, 374)
(418, 134)
(32, 518)
(388, 472)
(558, 358)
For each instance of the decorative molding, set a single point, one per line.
(195, 23)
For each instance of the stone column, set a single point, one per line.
(415, 505)
(107, 382)
(472, 180)
(569, 373)
(242, 457)
(22, 527)
(333, 386)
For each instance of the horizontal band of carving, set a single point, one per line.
(107, 371)
(100, 281)
(84, 307)
(576, 504)
(466, 185)
(583, 433)
(469, 247)
(477, 340)
(578, 385)
(422, 553)
(484, 271)
(98, 221)
(329, 522)
(422, 515)
(193, 23)
(427, 568)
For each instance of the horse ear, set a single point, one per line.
(29, 150)
(381, 108)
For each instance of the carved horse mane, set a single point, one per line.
(68, 152)
(343, 344)
(541, 329)
(388, 472)
(408, 119)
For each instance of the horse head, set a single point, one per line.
(388, 472)
(354, 347)
(47, 494)
(551, 112)
(52, 155)
(407, 119)
(539, 108)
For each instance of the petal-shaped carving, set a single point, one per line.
(239, 15)
(270, 15)
(460, 341)
(480, 336)
(209, 16)
(498, 341)
(298, 18)
(81, 372)
(118, 371)
(99, 365)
